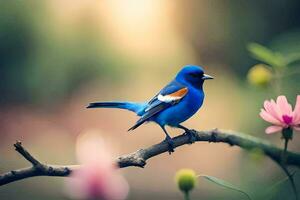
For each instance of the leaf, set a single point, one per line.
(295, 57)
(225, 184)
(273, 189)
(266, 55)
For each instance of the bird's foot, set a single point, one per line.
(192, 135)
(171, 145)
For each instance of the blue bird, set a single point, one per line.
(174, 104)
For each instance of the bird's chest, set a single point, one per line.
(183, 110)
(189, 105)
(193, 101)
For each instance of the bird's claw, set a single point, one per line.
(192, 136)
(171, 144)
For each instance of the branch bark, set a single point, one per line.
(140, 157)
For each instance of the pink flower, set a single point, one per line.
(98, 177)
(281, 114)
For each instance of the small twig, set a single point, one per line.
(37, 168)
(19, 148)
(140, 157)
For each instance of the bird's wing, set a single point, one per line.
(168, 96)
(172, 87)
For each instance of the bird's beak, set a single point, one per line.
(206, 76)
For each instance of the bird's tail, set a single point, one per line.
(132, 106)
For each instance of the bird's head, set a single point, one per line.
(193, 75)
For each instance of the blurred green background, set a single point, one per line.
(56, 56)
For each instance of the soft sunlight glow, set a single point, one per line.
(135, 27)
(137, 24)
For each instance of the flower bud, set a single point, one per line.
(186, 180)
(259, 75)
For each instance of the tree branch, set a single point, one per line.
(19, 148)
(140, 157)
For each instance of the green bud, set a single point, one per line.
(186, 179)
(259, 75)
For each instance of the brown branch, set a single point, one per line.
(19, 148)
(140, 157)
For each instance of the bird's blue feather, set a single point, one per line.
(168, 113)
(132, 106)
(156, 106)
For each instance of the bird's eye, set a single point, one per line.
(194, 75)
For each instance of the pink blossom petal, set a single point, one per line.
(297, 128)
(284, 106)
(91, 148)
(273, 129)
(296, 112)
(94, 181)
(117, 188)
(98, 176)
(269, 118)
(272, 108)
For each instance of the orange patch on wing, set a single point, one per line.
(180, 93)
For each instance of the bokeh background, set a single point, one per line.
(56, 56)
